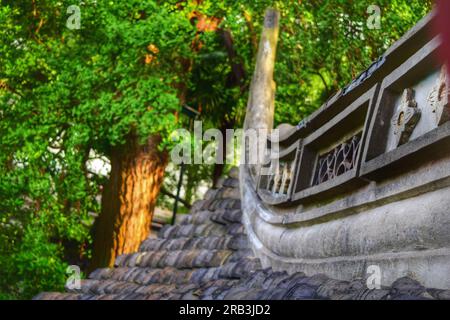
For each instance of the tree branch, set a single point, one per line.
(170, 195)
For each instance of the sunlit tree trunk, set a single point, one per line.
(128, 200)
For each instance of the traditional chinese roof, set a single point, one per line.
(207, 256)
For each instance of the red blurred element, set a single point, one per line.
(442, 25)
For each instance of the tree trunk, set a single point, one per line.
(222, 151)
(236, 78)
(128, 200)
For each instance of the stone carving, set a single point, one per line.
(406, 118)
(439, 98)
(338, 161)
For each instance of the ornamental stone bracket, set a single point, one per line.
(438, 98)
(406, 118)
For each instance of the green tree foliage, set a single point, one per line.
(69, 95)
(323, 45)
(66, 95)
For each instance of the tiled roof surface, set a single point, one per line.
(207, 256)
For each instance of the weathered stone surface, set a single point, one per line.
(386, 236)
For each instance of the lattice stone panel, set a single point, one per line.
(337, 161)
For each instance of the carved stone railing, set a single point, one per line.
(365, 179)
(277, 175)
